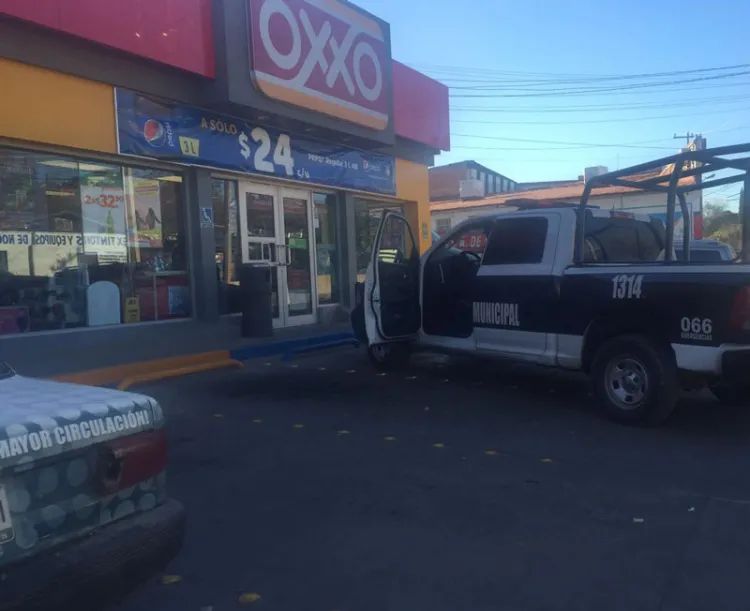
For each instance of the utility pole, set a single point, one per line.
(687, 137)
(694, 142)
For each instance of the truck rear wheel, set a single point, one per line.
(386, 357)
(635, 380)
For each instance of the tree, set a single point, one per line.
(721, 223)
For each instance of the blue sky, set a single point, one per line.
(500, 43)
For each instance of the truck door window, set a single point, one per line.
(517, 241)
(448, 276)
(396, 245)
(473, 239)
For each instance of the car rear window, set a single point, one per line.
(702, 254)
(622, 240)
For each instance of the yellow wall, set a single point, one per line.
(39, 105)
(412, 185)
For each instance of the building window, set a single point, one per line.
(517, 241)
(86, 243)
(367, 214)
(472, 174)
(326, 247)
(442, 226)
(227, 250)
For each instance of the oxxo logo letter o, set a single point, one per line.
(316, 57)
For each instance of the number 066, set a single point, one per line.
(697, 325)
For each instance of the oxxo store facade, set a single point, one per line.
(144, 160)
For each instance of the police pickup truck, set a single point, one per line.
(572, 287)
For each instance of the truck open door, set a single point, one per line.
(391, 299)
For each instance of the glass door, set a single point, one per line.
(260, 234)
(276, 230)
(296, 223)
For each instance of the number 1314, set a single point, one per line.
(626, 286)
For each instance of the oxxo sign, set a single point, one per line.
(321, 55)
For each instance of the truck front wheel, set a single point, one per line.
(635, 380)
(388, 356)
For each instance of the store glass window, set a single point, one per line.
(87, 243)
(367, 214)
(326, 247)
(442, 226)
(227, 251)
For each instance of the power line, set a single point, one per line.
(605, 107)
(713, 86)
(625, 120)
(637, 145)
(586, 90)
(558, 160)
(567, 77)
(590, 121)
(554, 148)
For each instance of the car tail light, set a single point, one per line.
(123, 463)
(739, 319)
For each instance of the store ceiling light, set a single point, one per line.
(60, 193)
(170, 178)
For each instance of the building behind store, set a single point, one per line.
(151, 149)
(447, 213)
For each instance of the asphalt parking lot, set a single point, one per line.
(319, 485)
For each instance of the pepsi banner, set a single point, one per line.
(149, 127)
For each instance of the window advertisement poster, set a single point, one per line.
(104, 224)
(40, 253)
(144, 204)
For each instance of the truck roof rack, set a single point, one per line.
(666, 175)
(523, 203)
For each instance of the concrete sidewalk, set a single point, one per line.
(125, 345)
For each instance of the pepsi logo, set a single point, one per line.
(154, 133)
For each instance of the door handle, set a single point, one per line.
(280, 254)
(440, 269)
